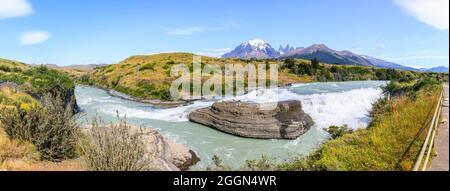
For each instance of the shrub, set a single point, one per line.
(264, 164)
(148, 66)
(218, 165)
(427, 83)
(52, 129)
(115, 81)
(45, 80)
(338, 131)
(115, 147)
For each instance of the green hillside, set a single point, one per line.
(35, 81)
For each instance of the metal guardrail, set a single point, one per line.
(430, 135)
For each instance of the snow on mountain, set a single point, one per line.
(253, 49)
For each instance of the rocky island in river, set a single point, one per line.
(286, 121)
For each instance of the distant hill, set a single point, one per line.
(439, 69)
(385, 64)
(81, 67)
(4, 63)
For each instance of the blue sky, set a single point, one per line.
(409, 32)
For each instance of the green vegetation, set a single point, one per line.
(327, 72)
(10, 97)
(39, 129)
(51, 127)
(149, 66)
(338, 131)
(36, 81)
(44, 80)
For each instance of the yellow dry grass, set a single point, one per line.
(22, 156)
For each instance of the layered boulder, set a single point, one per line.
(253, 120)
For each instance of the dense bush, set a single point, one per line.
(45, 80)
(10, 69)
(324, 72)
(51, 128)
(399, 88)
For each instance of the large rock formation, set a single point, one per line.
(286, 121)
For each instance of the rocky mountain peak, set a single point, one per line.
(256, 48)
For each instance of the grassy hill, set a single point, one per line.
(148, 76)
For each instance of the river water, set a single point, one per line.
(333, 103)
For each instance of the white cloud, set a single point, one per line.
(193, 30)
(431, 12)
(34, 37)
(14, 8)
(371, 48)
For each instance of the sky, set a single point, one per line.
(409, 32)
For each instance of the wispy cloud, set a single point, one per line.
(193, 30)
(15, 8)
(420, 57)
(363, 49)
(431, 12)
(33, 37)
(216, 52)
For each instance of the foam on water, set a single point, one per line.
(350, 108)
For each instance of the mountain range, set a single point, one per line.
(260, 49)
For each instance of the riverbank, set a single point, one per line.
(155, 102)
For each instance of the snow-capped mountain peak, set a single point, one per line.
(257, 42)
(256, 48)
